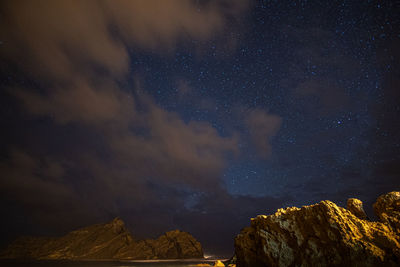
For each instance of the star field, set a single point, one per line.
(314, 65)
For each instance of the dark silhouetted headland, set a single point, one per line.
(105, 241)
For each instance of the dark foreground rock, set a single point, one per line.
(105, 241)
(323, 235)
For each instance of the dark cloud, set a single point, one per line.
(329, 95)
(81, 101)
(190, 152)
(133, 153)
(262, 127)
(106, 151)
(319, 75)
(64, 43)
(192, 97)
(37, 189)
(72, 44)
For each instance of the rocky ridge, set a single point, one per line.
(105, 241)
(323, 234)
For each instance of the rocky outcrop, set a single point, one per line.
(387, 208)
(355, 206)
(323, 235)
(172, 245)
(105, 241)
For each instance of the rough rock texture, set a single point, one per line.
(171, 245)
(105, 241)
(387, 208)
(322, 235)
(355, 206)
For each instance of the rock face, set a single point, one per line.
(387, 208)
(105, 241)
(171, 245)
(355, 206)
(323, 235)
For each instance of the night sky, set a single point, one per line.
(193, 115)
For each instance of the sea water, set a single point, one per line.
(161, 263)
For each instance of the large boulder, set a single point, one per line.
(105, 241)
(387, 208)
(322, 234)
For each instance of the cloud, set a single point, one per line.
(58, 39)
(36, 188)
(78, 50)
(191, 97)
(128, 159)
(262, 127)
(319, 75)
(159, 23)
(330, 95)
(192, 152)
(79, 101)
(61, 38)
(103, 151)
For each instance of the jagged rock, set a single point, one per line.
(171, 245)
(355, 206)
(105, 241)
(387, 208)
(184, 245)
(322, 234)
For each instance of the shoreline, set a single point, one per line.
(115, 260)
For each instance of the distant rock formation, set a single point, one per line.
(105, 241)
(323, 234)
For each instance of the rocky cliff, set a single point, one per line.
(323, 235)
(105, 241)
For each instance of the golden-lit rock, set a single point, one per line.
(355, 206)
(387, 208)
(219, 264)
(105, 241)
(322, 234)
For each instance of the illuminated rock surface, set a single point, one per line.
(105, 241)
(322, 234)
(355, 206)
(387, 208)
